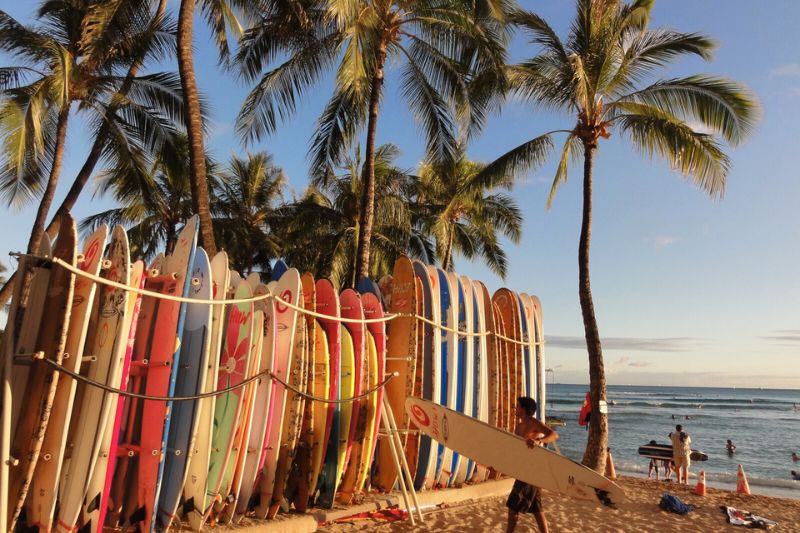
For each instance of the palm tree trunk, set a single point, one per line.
(194, 127)
(448, 253)
(368, 194)
(49, 192)
(595, 455)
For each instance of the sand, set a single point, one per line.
(639, 514)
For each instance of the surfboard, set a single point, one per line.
(228, 407)
(41, 502)
(539, 355)
(230, 488)
(263, 390)
(288, 290)
(528, 356)
(299, 482)
(293, 411)
(474, 407)
(364, 462)
(162, 352)
(190, 381)
(321, 388)
(509, 454)
(401, 353)
(328, 304)
(346, 390)
(491, 358)
(427, 350)
(463, 366)
(279, 269)
(448, 305)
(41, 379)
(351, 308)
(106, 358)
(412, 436)
(482, 356)
(664, 451)
(509, 313)
(373, 309)
(103, 476)
(194, 489)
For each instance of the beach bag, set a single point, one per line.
(673, 504)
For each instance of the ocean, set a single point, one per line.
(763, 424)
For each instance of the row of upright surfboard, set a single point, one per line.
(221, 444)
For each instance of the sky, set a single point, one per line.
(688, 291)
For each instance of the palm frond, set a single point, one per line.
(430, 109)
(696, 155)
(569, 151)
(344, 114)
(724, 106)
(277, 93)
(527, 156)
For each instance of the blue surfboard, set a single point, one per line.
(190, 373)
(176, 361)
(278, 269)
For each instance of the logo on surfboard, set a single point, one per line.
(420, 416)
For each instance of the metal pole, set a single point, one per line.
(388, 427)
(406, 471)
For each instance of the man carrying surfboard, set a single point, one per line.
(681, 450)
(525, 498)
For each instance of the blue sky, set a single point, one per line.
(688, 290)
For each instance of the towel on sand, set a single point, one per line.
(738, 517)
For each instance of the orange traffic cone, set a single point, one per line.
(611, 472)
(742, 487)
(700, 488)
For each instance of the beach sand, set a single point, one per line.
(639, 514)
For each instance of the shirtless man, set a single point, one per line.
(526, 498)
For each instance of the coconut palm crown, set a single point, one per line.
(449, 53)
(463, 218)
(604, 74)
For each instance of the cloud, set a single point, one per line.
(667, 344)
(784, 337)
(662, 241)
(789, 69)
(640, 364)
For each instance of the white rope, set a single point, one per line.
(269, 295)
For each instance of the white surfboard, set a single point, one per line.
(509, 454)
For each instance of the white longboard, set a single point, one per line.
(509, 454)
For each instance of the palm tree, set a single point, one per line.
(463, 218)
(450, 52)
(319, 230)
(598, 74)
(78, 55)
(222, 19)
(155, 202)
(245, 199)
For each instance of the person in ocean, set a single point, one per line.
(731, 447)
(795, 457)
(795, 476)
(526, 498)
(681, 450)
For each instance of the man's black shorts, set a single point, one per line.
(524, 498)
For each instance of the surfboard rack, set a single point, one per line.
(404, 478)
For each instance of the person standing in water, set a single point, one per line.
(731, 447)
(681, 450)
(526, 498)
